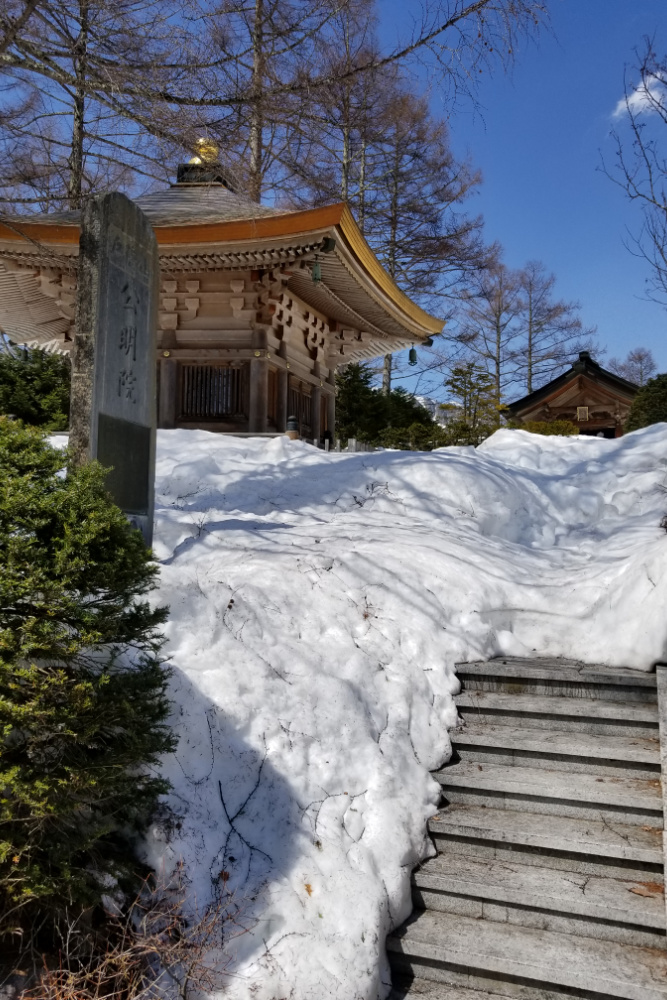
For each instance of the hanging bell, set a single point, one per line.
(316, 273)
(412, 356)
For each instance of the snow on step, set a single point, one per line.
(637, 756)
(478, 950)
(426, 989)
(631, 800)
(569, 714)
(615, 909)
(591, 841)
(545, 666)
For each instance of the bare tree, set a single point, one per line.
(14, 17)
(81, 76)
(379, 146)
(640, 162)
(552, 333)
(262, 56)
(101, 93)
(427, 244)
(638, 367)
(331, 159)
(490, 325)
(462, 39)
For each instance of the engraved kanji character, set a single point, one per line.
(128, 341)
(126, 382)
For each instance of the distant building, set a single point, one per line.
(595, 399)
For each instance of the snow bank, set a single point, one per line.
(319, 603)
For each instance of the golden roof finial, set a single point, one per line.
(207, 152)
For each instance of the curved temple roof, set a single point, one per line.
(585, 365)
(203, 226)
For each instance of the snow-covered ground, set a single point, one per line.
(319, 603)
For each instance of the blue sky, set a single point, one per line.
(537, 137)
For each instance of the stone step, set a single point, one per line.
(600, 754)
(554, 793)
(543, 712)
(605, 908)
(425, 989)
(558, 677)
(580, 845)
(485, 954)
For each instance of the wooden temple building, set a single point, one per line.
(258, 305)
(595, 399)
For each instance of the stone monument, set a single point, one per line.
(113, 406)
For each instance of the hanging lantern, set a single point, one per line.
(412, 356)
(316, 273)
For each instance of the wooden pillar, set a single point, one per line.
(259, 392)
(315, 421)
(168, 392)
(281, 402)
(331, 414)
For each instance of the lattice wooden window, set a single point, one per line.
(213, 392)
(582, 413)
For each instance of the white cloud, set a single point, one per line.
(645, 96)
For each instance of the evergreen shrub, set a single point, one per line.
(35, 387)
(83, 703)
(461, 432)
(549, 427)
(397, 420)
(365, 413)
(392, 420)
(649, 405)
(416, 437)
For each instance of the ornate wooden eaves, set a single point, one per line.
(355, 292)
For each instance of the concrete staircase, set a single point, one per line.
(548, 882)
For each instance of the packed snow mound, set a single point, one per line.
(319, 603)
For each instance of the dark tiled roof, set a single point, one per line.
(183, 204)
(585, 365)
(186, 203)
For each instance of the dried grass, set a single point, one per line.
(155, 948)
